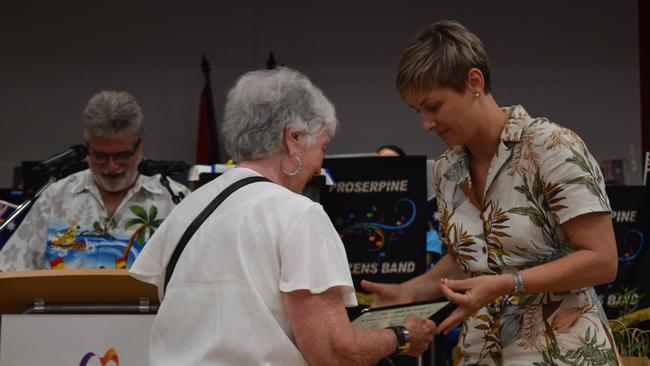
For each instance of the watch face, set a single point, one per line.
(407, 335)
(404, 339)
(407, 342)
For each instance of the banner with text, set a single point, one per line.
(378, 206)
(630, 293)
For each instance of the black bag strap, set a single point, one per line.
(191, 229)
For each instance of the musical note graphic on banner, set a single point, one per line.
(371, 237)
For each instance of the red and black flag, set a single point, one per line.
(207, 142)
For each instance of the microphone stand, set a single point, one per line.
(176, 198)
(27, 203)
(57, 172)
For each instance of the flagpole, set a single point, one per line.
(646, 168)
(214, 151)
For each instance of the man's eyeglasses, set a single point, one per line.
(119, 157)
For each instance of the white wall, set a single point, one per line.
(575, 62)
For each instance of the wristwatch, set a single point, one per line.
(403, 339)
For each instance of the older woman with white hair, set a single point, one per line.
(264, 280)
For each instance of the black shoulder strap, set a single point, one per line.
(187, 235)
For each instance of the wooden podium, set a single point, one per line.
(20, 290)
(68, 317)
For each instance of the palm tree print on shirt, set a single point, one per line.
(146, 223)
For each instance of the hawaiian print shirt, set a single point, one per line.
(68, 226)
(541, 176)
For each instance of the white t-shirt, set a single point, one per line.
(223, 304)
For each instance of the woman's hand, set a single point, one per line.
(387, 293)
(421, 332)
(421, 288)
(472, 294)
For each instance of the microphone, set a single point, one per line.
(153, 167)
(74, 154)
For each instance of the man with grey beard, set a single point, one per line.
(100, 217)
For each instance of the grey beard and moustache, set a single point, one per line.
(110, 185)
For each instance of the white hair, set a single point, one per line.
(112, 113)
(263, 103)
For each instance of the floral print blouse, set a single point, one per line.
(541, 176)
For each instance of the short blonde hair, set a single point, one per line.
(441, 55)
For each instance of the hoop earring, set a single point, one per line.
(299, 163)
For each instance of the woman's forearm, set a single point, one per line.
(593, 262)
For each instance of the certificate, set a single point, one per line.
(382, 317)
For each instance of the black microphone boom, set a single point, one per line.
(153, 167)
(74, 154)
